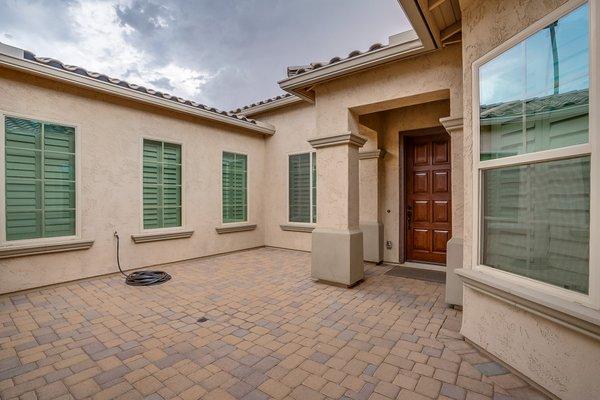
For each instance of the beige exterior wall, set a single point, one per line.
(295, 124)
(408, 94)
(433, 76)
(563, 361)
(111, 132)
(486, 25)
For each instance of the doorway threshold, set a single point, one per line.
(417, 265)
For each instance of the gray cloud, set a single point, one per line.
(242, 47)
(162, 83)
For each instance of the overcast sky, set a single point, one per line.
(224, 53)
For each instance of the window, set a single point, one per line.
(534, 164)
(235, 187)
(303, 187)
(162, 184)
(39, 179)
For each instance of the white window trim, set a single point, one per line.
(173, 229)
(591, 148)
(287, 192)
(78, 196)
(247, 221)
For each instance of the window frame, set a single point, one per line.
(78, 192)
(241, 153)
(287, 193)
(592, 148)
(182, 227)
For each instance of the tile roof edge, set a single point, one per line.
(23, 60)
(394, 40)
(267, 104)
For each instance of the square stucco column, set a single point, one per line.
(454, 247)
(337, 242)
(370, 224)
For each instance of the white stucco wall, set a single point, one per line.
(111, 132)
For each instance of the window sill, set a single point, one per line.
(44, 248)
(572, 315)
(292, 227)
(235, 228)
(158, 236)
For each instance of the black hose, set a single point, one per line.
(142, 278)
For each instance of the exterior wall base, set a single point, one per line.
(512, 370)
(454, 260)
(337, 256)
(561, 360)
(372, 240)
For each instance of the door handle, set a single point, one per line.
(409, 216)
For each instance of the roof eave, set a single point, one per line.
(429, 37)
(71, 78)
(297, 85)
(273, 105)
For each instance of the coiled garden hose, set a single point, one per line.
(141, 278)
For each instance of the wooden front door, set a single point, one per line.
(428, 217)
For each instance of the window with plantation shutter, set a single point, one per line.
(303, 188)
(162, 184)
(235, 187)
(535, 162)
(39, 179)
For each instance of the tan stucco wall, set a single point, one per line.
(486, 25)
(111, 132)
(383, 88)
(559, 359)
(295, 124)
(564, 362)
(395, 86)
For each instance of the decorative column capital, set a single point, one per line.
(452, 124)
(365, 155)
(348, 138)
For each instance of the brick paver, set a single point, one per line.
(271, 332)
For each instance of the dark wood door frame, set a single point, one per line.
(429, 206)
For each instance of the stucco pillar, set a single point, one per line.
(370, 223)
(454, 247)
(337, 242)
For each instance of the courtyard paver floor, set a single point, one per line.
(271, 332)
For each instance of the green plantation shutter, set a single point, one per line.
(314, 187)
(235, 187)
(300, 188)
(303, 188)
(162, 185)
(40, 179)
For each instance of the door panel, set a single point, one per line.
(421, 154)
(421, 240)
(441, 180)
(428, 186)
(441, 212)
(420, 211)
(421, 182)
(441, 153)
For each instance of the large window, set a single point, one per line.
(235, 187)
(303, 187)
(534, 161)
(162, 184)
(39, 179)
